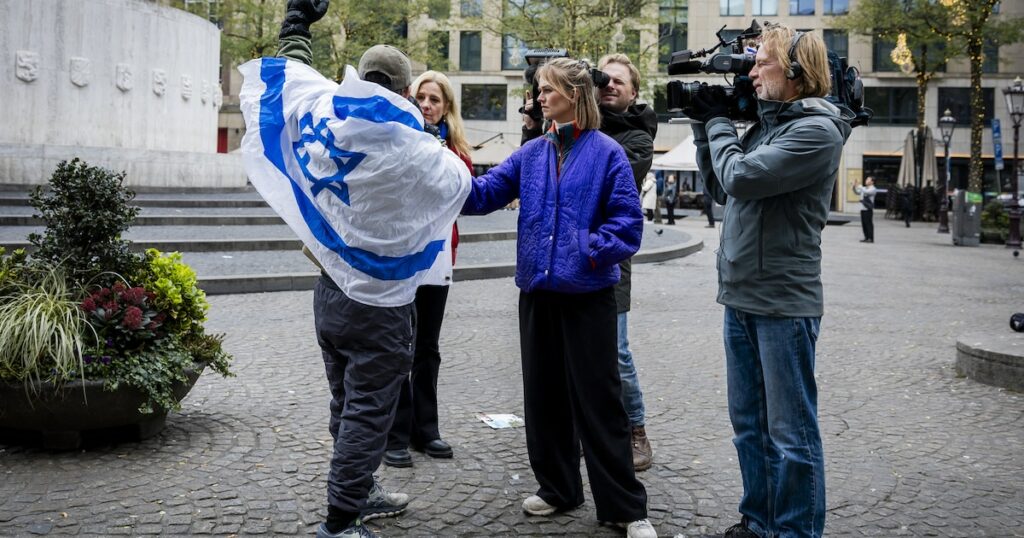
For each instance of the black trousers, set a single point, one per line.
(367, 352)
(867, 223)
(572, 393)
(416, 418)
(670, 205)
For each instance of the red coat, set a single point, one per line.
(455, 227)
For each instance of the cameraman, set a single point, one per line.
(633, 125)
(776, 184)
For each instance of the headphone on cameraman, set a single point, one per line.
(795, 70)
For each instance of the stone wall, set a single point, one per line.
(131, 83)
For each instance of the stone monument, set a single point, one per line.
(129, 85)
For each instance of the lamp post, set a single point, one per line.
(946, 125)
(1014, 96)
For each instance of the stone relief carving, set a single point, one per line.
(218, 96)
(204, 93)
(159, 82)
(125, 79)
(27, 65)
(81, 71)
(186, 87)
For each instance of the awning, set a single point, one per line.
(681, 157)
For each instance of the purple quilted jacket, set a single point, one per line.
(574, 229)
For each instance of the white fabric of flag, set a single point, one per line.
(351, 171)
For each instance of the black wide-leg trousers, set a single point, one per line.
(572, 394)
(416, 420)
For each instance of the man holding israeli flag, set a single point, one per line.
(373, 198)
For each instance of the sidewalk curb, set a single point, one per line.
(229, 285)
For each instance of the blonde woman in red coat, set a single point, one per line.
(416, 421)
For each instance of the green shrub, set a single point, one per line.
(42, 329)
(995, 217)
(152, 370)
(85, 210)
(11, 268)
(176, 290)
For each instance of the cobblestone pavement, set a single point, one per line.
(911, 448)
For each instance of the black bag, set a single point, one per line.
(1017, 322)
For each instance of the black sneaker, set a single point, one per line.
(355, 530)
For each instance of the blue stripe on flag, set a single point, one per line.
(272, 72)
(374, 108)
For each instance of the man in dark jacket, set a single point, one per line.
(776, 184)
(633, 126)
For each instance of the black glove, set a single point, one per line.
(299, 15)
(708, 103)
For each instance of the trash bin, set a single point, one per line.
(966, 226)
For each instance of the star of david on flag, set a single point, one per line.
(350, 170)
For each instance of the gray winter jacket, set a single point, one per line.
(776, 184)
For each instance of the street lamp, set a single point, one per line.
(946, 125)
(1014, 96)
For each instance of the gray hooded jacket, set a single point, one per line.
(776, 184)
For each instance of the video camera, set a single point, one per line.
(847, 88)
(536, 58)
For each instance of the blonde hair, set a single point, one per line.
(810, 53)
(456, 130)
(634, 73)
(571, 79)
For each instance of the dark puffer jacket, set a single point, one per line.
(634, 130)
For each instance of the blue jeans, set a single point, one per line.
(773, 405)
(632, 397)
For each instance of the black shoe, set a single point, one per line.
(436, 449)
(740, 530)
(398, 458)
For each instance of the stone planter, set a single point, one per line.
(61, 416)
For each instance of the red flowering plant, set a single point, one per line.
(123, 318)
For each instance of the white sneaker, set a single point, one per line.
(641, 529)
(535, 506)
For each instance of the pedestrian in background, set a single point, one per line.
(709, 210)
(867, 211)
(671, 193)
(416, 419)
(907, 204)
(579, 217)
(649, 196)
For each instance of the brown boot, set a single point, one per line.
(642, 453)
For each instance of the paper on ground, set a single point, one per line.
(501, 420)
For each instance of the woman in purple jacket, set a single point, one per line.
(579, 216)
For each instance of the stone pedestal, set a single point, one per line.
(129, 85)
(995, 358)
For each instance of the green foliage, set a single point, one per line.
(42, 329)
(995, 217)
(153, 370)
(583, 27)
(350, 27)
(208, 349)
(85, 211)
(177, 294)
(11, 267)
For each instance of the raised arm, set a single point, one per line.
(294, 39)
(495, 189)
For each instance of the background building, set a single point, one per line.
(486, 70)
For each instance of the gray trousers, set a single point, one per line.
(367, 352)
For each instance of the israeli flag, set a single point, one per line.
(352, 172)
